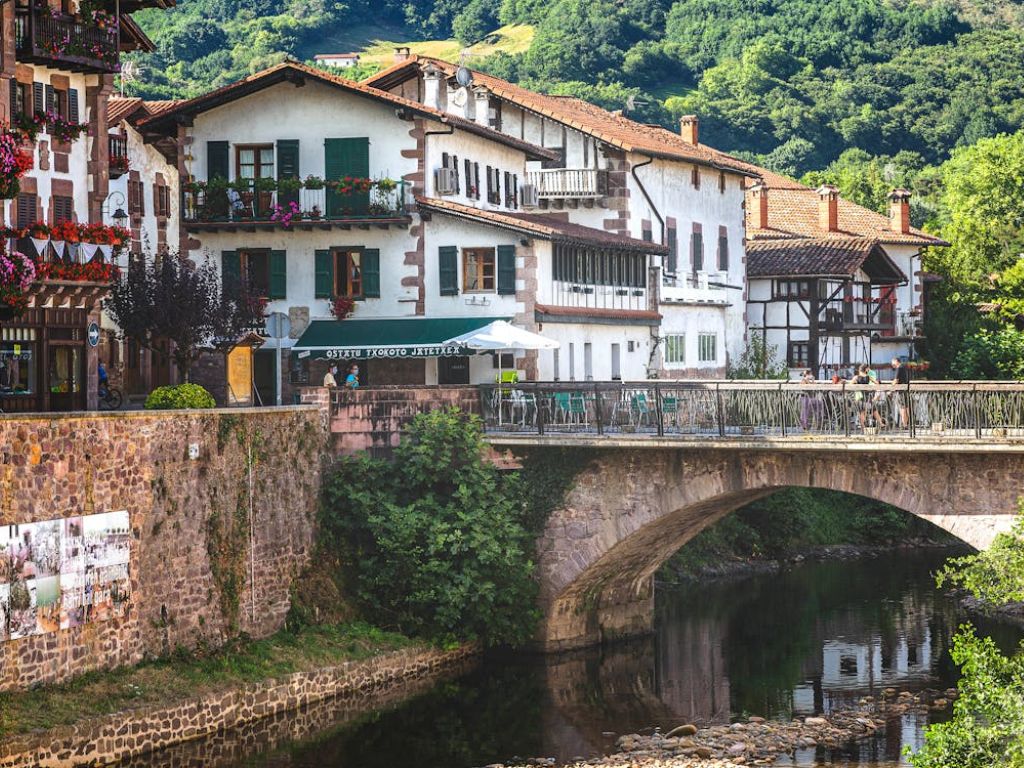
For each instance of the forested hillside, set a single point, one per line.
(867, 94)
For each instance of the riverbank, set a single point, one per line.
(757, 741)
(108, 717)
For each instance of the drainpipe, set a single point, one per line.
(655, 338)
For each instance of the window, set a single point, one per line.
(723, 250)
(697, 250)
(509, 202)
(588, 361)
(572, 361)
(504, 360)
(476, 180)
(63, 209)
(792, 289)
(451, 162)
(695, 177)
(616, 362)
(348, 273)
(255, 271)
(721, 182)
(478, 270)
(673, 251)
(27, 204)
(255, 161)
(22, 99)
(675, 349)
(17, 364)
(707, 347)
(799, 354)
(137, 198)
(162, 194)
(493, 185)
(556, 364)
(614, 268)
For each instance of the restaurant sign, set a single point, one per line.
(367, 353)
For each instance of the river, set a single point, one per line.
(814, 637)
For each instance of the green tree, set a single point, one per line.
(475, 21)
(759, 360)
(434, 542)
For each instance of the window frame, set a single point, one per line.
(794, 360)
(702, 347)
(348, 252)
(244, 270)
(675, 349)
(480, 255)
(257, 164)
(803, 290)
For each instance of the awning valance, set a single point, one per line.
(367, 339)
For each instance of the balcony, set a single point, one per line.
(694, 288)
(118, 146)
(221, 206)
(65, 42)
(568, 183)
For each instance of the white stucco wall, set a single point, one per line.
(477, 149)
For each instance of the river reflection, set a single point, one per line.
(813, 638)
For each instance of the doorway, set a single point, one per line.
(264, 375)
(453, 370)
(66, 377)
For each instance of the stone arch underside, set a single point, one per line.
(630, 510)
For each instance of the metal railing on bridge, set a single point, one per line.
(757, 409)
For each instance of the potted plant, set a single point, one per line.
(313, 182)
(17, 272)
(342, 307)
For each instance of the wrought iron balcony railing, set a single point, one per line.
(65, 42)
(749, 410)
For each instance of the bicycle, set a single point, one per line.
(109, 398)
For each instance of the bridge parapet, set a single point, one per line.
(758, 410)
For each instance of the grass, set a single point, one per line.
(186, 675)
(514, 38)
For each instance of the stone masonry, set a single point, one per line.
(54, 466)
(632, 508)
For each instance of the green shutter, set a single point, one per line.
(371, 273)
(448, 258)
(278, 275)
(288, 168)
(217, 160)
(507, 270)
(324, 285)
(347, 157)
(231, 271)
(73, 114)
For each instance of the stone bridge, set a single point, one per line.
(671, 458)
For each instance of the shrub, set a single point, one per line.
(434, 543)
(180, 396)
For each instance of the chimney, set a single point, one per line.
(828, 207)
(759, 194)
(483, 106)
(401, 53)
(432, 87)
(899, 210)
(689, 129)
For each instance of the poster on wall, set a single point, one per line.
(65, 573)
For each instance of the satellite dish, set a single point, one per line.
(460, 97)
(464, 77)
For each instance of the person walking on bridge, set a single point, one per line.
(901, 395)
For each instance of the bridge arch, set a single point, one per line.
(630, 509)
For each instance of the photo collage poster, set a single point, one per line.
(60, 574)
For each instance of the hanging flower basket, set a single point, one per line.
(342, 307)
(15, 162)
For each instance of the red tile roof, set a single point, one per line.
(829, 257)
(793, 213)
(294, 71)
(134, 109)
(544, 226)
(606, 126)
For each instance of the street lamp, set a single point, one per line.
(120, 218)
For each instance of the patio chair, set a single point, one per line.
(670, 410)
(640, 409)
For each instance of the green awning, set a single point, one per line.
(363, 339)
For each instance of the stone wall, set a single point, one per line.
(372, 419)
(54, 466)
(130, 734)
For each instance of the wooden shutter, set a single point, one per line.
(673, 251)
(371, 273)
(447, 259)
(324, 278)
(723, 252)
(515, 190)
(347, 157)
(490, 185)
(142, 198)
(469, 178)
(51, 99)
(476, 179)
(38, 101)
(26, 209)
(230, 271)
(455, 165)
(278, 275)
(73, 112)
(698, 251)
(15, 105)
(288, 168)
(217, 165)
(507, 270)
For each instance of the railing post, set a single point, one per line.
(782, 408)
(598, 418)
(661, 415)
(846, 411)
(977, 412)
(720, 409)
(539, 405)
(910, 412)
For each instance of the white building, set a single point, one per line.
(310, 188)
(833, 284)
(620, 176)
(338, 60)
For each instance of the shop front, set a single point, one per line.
(48, 355)
(407, 351)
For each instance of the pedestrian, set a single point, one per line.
(901, 385)
(330, 378)
(810, 405)
(862, 399)
(352, 380)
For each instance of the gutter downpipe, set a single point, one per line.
(655, 337)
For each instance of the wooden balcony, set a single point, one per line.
(568, 183)
(118, 156)
(64, 42)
